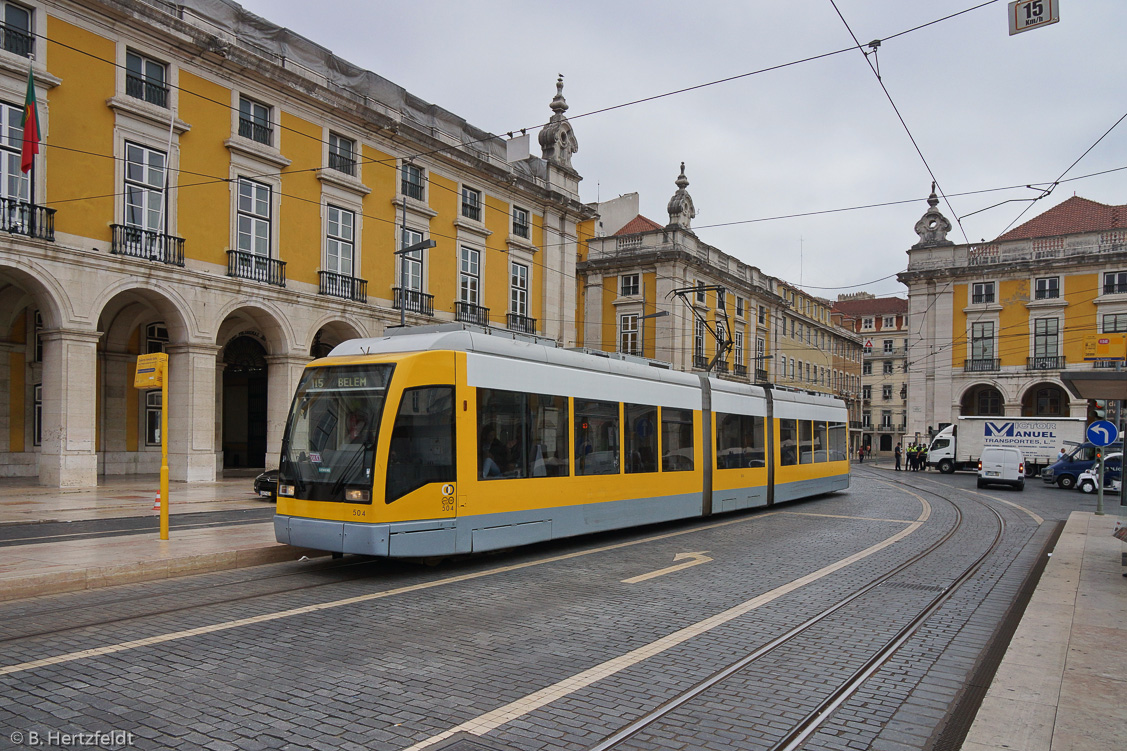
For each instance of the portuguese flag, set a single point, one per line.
(31, 134)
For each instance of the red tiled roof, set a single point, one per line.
(638, 224)
(1073, 216)
(879, 306)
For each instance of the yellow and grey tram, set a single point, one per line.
(453, 440)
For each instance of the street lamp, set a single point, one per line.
(642, 323)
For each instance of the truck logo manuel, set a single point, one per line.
(1010, 430)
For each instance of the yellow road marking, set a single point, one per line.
(696, 560)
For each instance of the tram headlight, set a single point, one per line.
(286, 490)
(355, 495)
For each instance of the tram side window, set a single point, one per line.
(641, 438)
(596, 437)
(739, 442)
(805, 442)
(788, 442)
(521, 435)
(838, 441)
(676, 440)
(821, 442)
(422, 441)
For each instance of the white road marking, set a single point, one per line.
(694, 559)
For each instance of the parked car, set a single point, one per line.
(1000, 465)
(266, 484)
(1064, 472)
(1113, 475)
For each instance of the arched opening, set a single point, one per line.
(982, 401)
(244, 403)
(1044, 400)
(885, 442)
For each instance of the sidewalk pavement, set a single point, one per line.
(91, 562)
(1061, 684)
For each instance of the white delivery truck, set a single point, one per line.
(1040, 439)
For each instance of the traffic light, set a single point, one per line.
(1097, 409)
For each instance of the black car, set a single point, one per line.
(266, 484)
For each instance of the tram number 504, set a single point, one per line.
(1029, 14)
(448, 498)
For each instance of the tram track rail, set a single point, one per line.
(815, 718)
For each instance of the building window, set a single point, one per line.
(411, 264)
(982, 293)
(866, 420)
(255, 122)
(37, 336)
(760, 352)
(889, 322)
(146, 79)
(739, 348)
(982, 341)
(17, 31)
(698, 340)
(156, 338)
(720, 299)
(867, 368)
(342, 154)
(520, 223)
(152, 418)
(339, 241)
(13, 184)
(886, 391)
(1046, 337)
(1113, 323)
(1047, 288)
(471, 203)
(887, 369)
(253, 220)
(628, 285)
(1115, 282)
(762, 315)
(628, 333)
(886, 418)
(144, 188)
(888, 346)
(470, 276)
(721, 336)
(701, 293)
(739, 307)
(518, 290)
(866, 392)
(867, 323)
(412, 183)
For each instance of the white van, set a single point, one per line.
(1001, 466)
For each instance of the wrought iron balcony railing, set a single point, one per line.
(740, 370)
(1045, 363)
(342, 163)
(760, 375)
(256, 268)
(23, 218)
(16, 41)
(982, 365)
(467, 312)
(256, 131)
(347, 287)
(412, 301)
(700, 362)
(144, 243)
(152, 92)
(1115, 288)
(523, 324)
(982, 299)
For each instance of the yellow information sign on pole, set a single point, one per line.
(152, 372)
(1105, 347)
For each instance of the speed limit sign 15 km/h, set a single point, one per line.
(1029, 14)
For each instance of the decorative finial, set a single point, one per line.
(932, 226)
(557, 139)
(680, 208)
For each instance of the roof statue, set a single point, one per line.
(932, 226)
(680, 208)
(557, 139)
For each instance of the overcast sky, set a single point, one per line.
(987, 110)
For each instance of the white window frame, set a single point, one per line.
(889, 322)
(629, 285)
(518, 289)
(982, 340)
(345, 162)
(472, 201)
(145, 177)
(522, 223)
(409, 272)
(1047, 288)
(340, 241)
(15, 184)
(413, 178)
(1046, 343)
(469, 275)
(147, 65)
(256, 113)
(152, 417)
(983, 290)
(628, 333)
(250, 198)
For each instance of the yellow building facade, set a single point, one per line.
(237, 197)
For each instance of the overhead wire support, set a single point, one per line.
(723, 342)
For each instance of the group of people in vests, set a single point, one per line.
(915, 456)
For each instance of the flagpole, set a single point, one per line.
(30, 145)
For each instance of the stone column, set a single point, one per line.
(191, 412)
(284, 375)
(116, 391)
(5, 388)
(217, 459)
(70, 398)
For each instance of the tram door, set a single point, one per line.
(244, 404)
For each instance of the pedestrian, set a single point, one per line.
(912, 458)
(923, 457)
(861, 455)
(896, 451)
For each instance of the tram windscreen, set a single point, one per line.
(329, 448)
